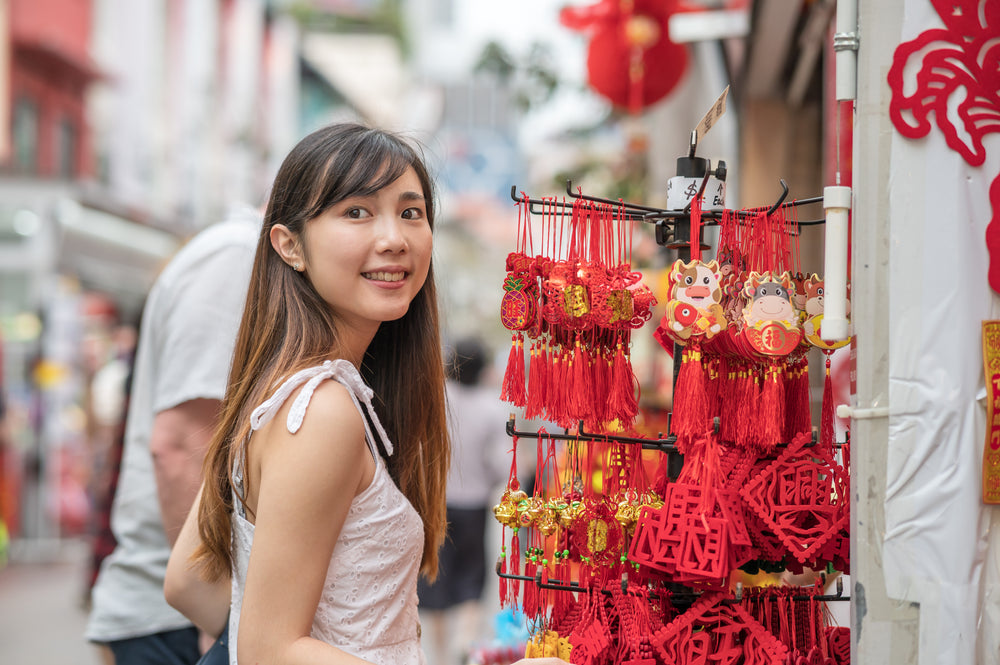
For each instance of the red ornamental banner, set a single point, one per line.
(991, 448)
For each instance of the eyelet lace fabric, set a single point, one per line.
(368, 606)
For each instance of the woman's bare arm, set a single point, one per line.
(206, 604)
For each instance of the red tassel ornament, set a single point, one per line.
(513, 389)
(826, 433)
(690, 417)
(771, 412)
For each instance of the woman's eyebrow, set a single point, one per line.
(411, 196)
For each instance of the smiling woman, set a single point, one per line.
(339, 482)
(368, 255)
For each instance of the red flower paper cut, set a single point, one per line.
(957, 78)
(959, 63)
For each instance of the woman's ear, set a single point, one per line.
(286, 244)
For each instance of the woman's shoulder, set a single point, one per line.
(330, 421)
(332, 404)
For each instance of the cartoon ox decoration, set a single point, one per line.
(694, 306)
(771, 323)
(813, 318)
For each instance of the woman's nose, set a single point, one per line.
(391, 235)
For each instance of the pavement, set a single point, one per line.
(42, 613)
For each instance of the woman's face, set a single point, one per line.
(368, 256)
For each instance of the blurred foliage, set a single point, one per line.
(533, 78)
(623, 174)
(385, 17)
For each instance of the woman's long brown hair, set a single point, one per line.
(287, 326)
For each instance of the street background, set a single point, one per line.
(136, 124)
(42, 612)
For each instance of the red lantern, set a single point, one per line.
(630, 59)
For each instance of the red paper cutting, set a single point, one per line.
(993, 236)
(725, 633)
(802, 496)
(958, 67)
(960, 62)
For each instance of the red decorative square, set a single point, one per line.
(803, 497)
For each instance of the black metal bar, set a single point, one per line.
(632, 211)
(561, 585)
(598, 199)
(666, 445)
(640, 213)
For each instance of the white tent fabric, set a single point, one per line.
(939, 550)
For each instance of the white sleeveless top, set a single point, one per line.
(368, 607)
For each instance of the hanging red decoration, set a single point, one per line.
(630, 59)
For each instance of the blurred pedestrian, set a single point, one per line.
(451, 607)
(5, 441)
(322, 522)
(109, 393)
(186, 341)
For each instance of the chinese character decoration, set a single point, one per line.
(519, 306)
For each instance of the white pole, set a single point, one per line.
(845, 44)
(837, 203)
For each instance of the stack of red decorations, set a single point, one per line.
(578, 302)
(615, 568)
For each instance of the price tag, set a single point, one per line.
(717, 111)
(680, 191)
(991, 447)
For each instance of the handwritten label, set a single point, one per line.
(680, 191)
(991, 447)
(717, 111)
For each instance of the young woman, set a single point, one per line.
(323, 496)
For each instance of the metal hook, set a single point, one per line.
(600, 199)
(781, 199)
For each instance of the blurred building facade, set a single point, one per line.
(131, 126)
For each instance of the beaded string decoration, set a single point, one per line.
(770, 324)
(506, 513)
(758, 362)
(539, 514)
